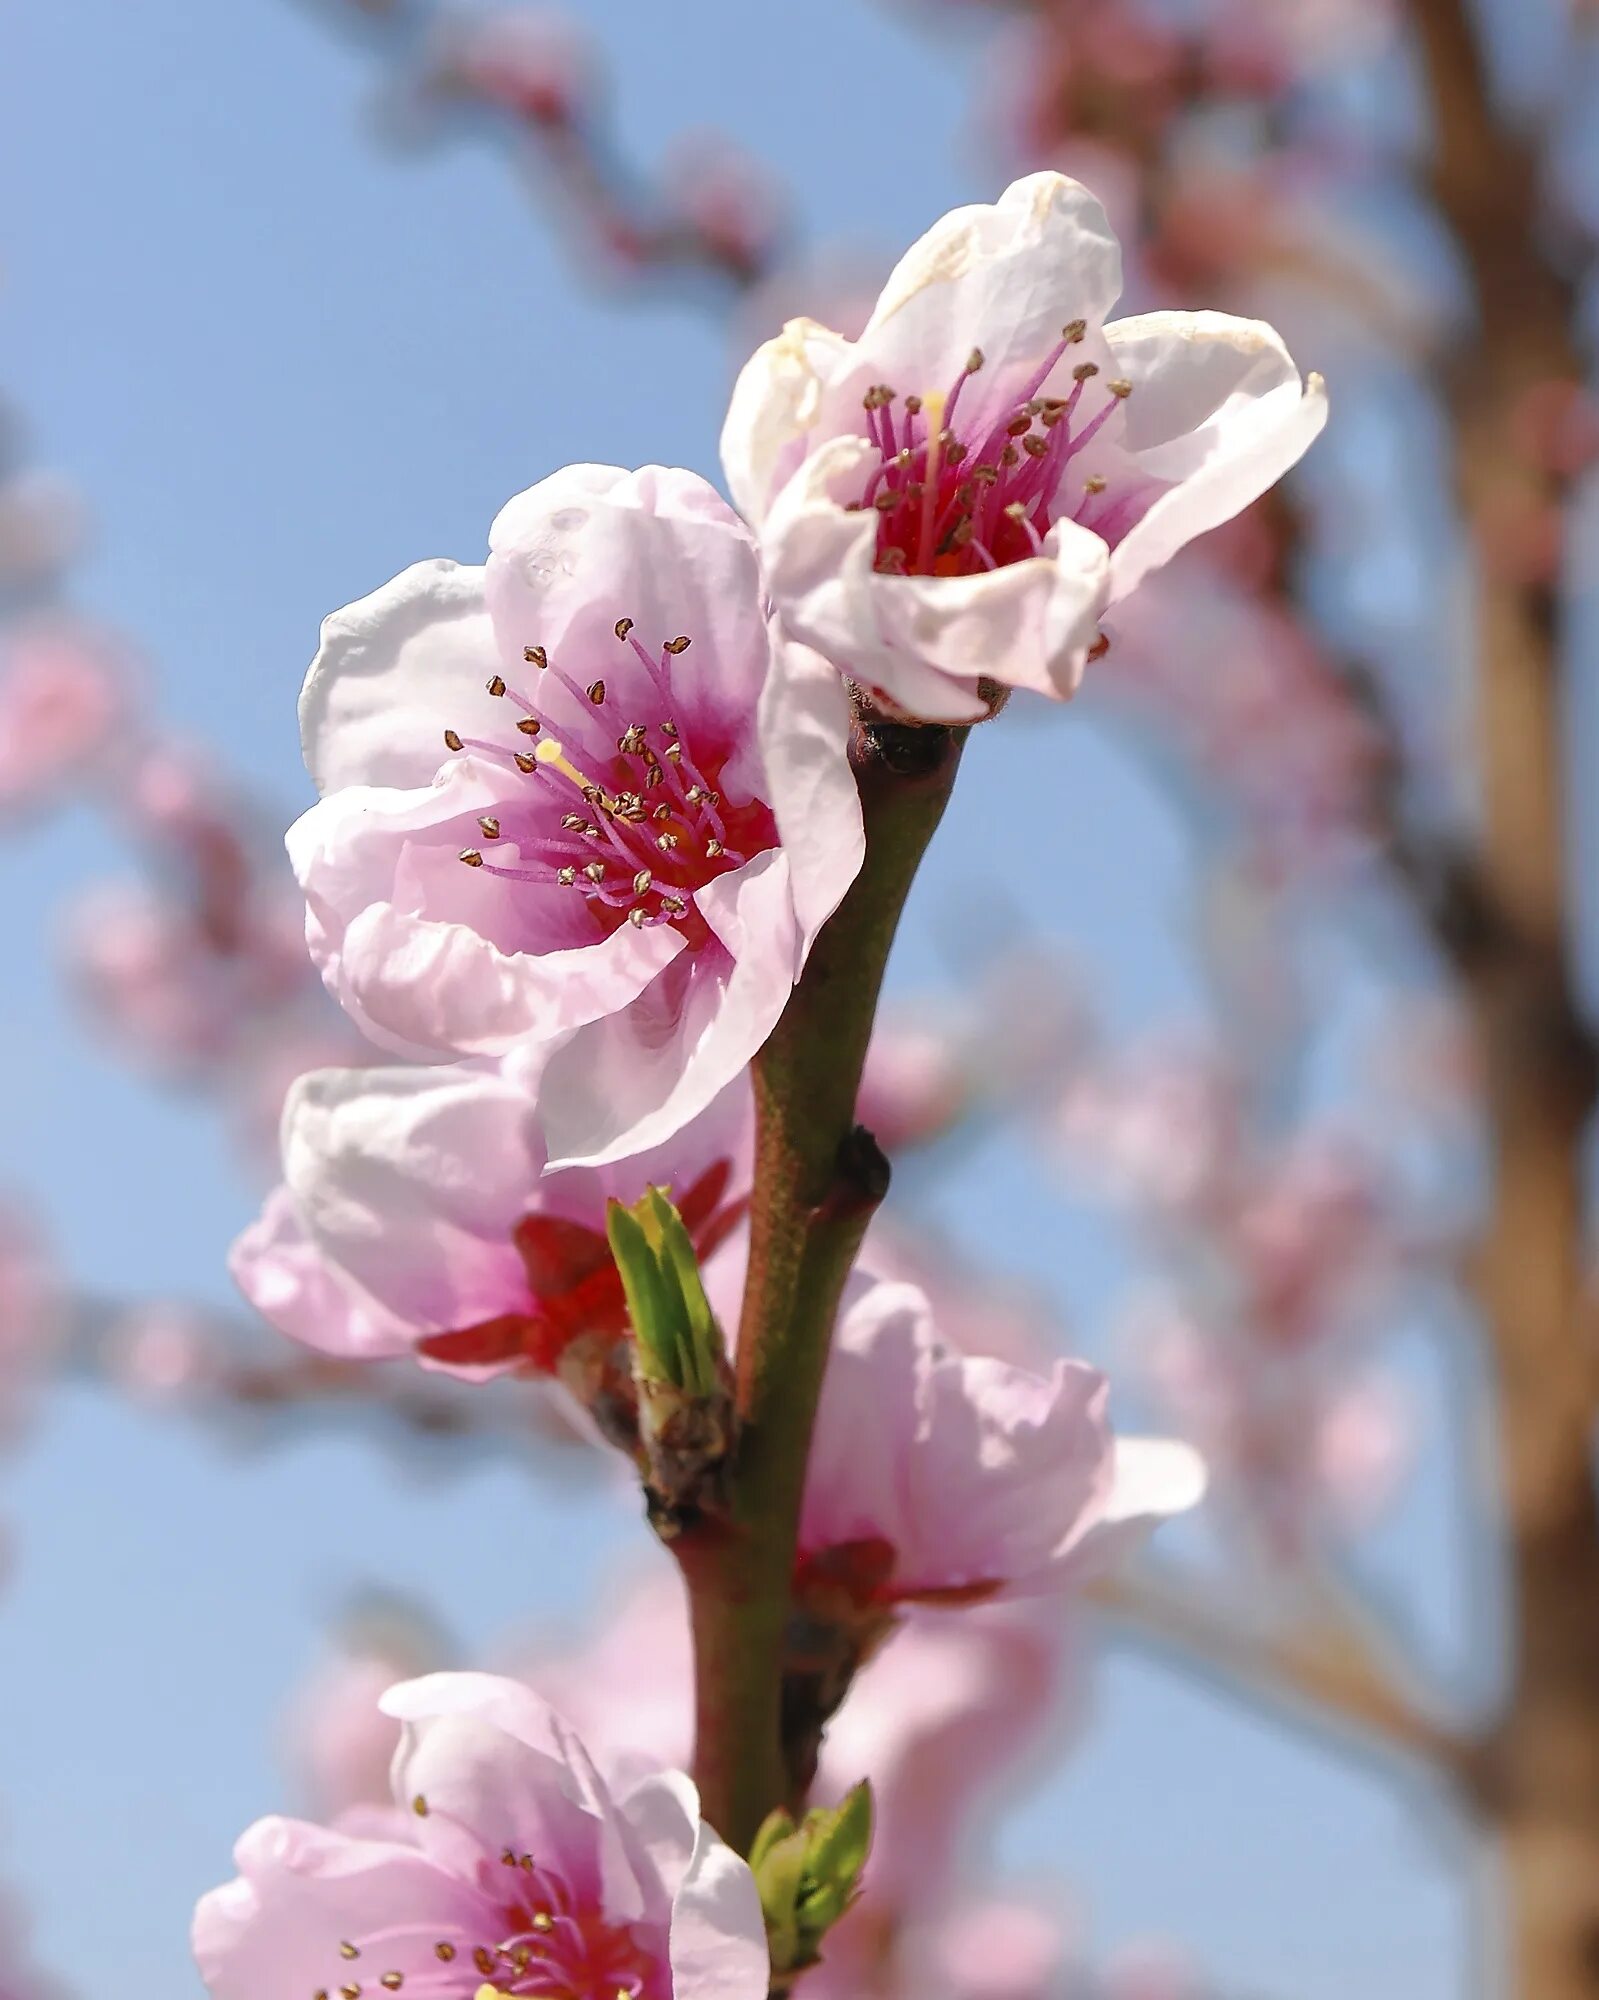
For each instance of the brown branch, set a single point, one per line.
(1540, 1067)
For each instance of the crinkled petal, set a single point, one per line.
(413, 1179)
(1218, 414)
(302, 1890)
(495, 1763)
(775, 401)
(593, 544)
(379, 694)
(630, 1080)
(1004, 277)
(430, 987)
(290, 1282)
(927, 641)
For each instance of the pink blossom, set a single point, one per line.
(655, 807)
(1159, 1127)
(1246, 692)
(1301, 1444)
(416, 1218)
(524, 1868)
(943, 1478)
(955, 498)
(32, 1314)
(63, 689)
(917, 1080)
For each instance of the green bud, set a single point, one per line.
(678, 1341)
(808, 1875)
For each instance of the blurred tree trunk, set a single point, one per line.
(1506, 925)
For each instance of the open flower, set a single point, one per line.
(947, 1479)
(525, 1870)
(576, 797)
(416, 1217)
(956, 497)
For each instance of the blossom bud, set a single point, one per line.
(808, 1875)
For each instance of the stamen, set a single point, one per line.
(451, 740)
(623, 627)
(490, 828)
(536, 657)
(471, 857)
(676, 646)
(529, 725)
(496, 686)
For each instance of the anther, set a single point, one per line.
(1085, 371)
(714, 849)
(668, 730)
(1100, 647)
(631, 741)
(1017, 510)
(666, 842)
(543, 1921)
(348, 1950)
(496, 685)
(566, 877)
(673, 905)
(392, 1981)
(1010, 456)
(451, 740)
(1120, 388)
(890, 563)
(955, 451)
(483, 1959)
(1035, 446)
(444, 1951)
(641, 882)
(595, 871)
(653, 777)
(536, 656)
(490, 829)
(974, 361)
(623, 627)
(678, 645)
(471, 857)
(1019, 425)
(674, 752)
(637, 918)
(529, 725)
(575, 823)
(1094, 483)
(662, 811)
(596, 692)
(1073, 330)
(523, 763)
(352, 1991)
(886, 502)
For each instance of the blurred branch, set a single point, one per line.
(1540, 1063)
(1328, 1672)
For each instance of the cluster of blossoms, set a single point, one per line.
(584, 810)
(1277, 1258)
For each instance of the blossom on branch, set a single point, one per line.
(947, 505)
(524, 1869)
(940, 1478)
(577, 797)
(416, 1218)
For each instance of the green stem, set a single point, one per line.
(817, 1183)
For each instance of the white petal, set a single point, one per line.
(717, 1944)
(1005, 278)
(805, 727)
(1218, 413)
(775, 401)
(390, 673)
(630, 1081)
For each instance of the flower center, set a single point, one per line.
(537, 1940)
(622, 808)
(955, 496)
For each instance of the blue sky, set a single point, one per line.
(283, 363)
